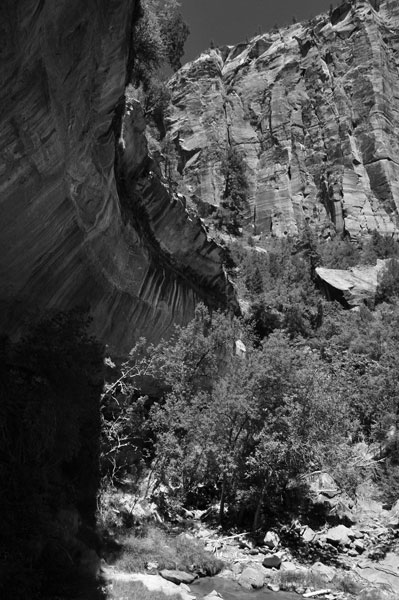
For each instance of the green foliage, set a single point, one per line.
(235, 193)
(316, 388)
(125, 435)
(158, 40)
(279, 285)
(181, 552)
(388, 286)
(174, 33)
(236, 429)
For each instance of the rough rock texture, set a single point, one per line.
(352, 286)
(314, 111)
(71, 232)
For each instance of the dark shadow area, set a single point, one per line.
(50, 386)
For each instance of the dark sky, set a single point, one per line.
(231, 21)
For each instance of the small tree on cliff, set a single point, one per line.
(158, 39)
(235, 192)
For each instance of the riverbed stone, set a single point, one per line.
(272, 560)
(323, 571)
(338, 536)
(271, 539)
(251, 578)
(177, 577)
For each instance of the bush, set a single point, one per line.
(388, 286)
(182, 552)
(158, 39)
(229, 215)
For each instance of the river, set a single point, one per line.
(231, 590)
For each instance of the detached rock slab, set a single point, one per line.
(177, 577)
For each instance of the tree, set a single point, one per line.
(158, 39)
(235, 191)
(245, 426)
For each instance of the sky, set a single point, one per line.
(232, 21)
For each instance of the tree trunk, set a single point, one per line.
(222, 501)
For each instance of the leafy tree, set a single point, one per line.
(174, 33)
(246, 427)
(235, 191)
(388, 286)
(158, 39)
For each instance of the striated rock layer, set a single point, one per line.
(75, 230)
(314, 111)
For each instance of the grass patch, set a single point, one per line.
(182, 552)
(347, 582)
(135, 590)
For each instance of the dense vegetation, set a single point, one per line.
(158, 40)
(250, 405)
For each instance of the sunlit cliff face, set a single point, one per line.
(82, 225)
(314, 111)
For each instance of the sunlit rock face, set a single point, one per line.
(83, 218)
(314, 111)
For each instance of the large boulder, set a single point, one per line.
(271, 540)
(322, 499)
(352, 286)
(339, 536)
(272, 561)
(177, 577)
(251, 578)
(322, 572)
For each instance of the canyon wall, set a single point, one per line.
(313, 109)
(84, 219)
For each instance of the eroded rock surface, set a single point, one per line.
(313, 110)
(353, 286)
(73, 229)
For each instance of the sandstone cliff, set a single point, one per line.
(81, 224)
(314, 111)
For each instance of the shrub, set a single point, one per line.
(158, 39)
(229, 215)
(388, 286)
(182, 552)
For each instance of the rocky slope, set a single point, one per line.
(81, 224)
(314, 111)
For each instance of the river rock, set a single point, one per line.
(271, 540)
(338, 535)
(271, 560)
(251, 578)
(393, 520)
(212, 596)
(323, 572)
(308, 535)
(177, 577)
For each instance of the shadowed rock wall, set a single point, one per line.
(71, 233)
(314, 111)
